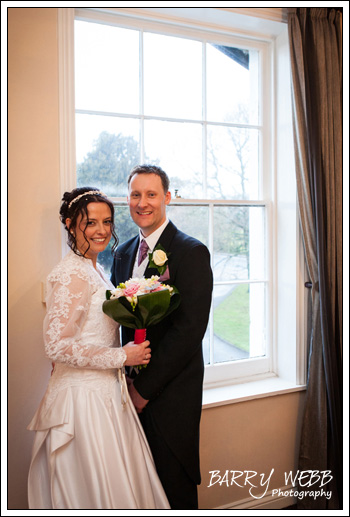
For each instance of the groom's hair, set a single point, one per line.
(151, 169)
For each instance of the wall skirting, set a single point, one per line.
(267, 502)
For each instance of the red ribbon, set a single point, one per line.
(140, 336)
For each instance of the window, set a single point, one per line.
(200, 105)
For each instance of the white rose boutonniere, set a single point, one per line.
(158, 259)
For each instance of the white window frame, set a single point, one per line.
(286, 357)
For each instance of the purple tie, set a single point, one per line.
(142, 251)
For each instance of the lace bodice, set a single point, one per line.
(76, 331)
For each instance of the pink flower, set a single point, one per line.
(135, 287)
(131, 289)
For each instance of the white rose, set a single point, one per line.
(159, 257)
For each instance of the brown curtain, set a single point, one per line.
(315, 37)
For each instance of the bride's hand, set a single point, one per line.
(137, 354)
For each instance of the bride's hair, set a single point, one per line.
(75, 203)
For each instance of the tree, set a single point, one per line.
(233, 237)
(107, 167)
(237, 219)
(109, 163)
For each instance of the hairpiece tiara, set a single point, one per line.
(89, 193)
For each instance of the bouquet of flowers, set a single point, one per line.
(140, 303)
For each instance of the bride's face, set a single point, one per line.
(93, 232)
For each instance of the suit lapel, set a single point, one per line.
(129, 258)
(167, 236)
(165, 240)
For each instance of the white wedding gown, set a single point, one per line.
(90, 451)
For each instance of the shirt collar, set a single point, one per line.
(154, 237)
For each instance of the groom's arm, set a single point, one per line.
(186, 327)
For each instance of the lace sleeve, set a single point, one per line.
(68, 301)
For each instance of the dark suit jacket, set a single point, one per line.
(173, 379)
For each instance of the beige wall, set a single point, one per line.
(257, 435)
(33, 227)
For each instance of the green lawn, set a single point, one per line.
(231, 318)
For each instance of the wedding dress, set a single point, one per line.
(89, 450)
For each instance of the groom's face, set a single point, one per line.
(147, 202)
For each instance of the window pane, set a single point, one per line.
(206, 347)
(193, 220)
(239, 251)
(107, 149)
(239, 322)
(173, 77)
(233, 163)
(177, 148)
(105, 259)
(106, 68)
(124, 225)
(232, 85)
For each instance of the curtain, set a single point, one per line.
(315, 38)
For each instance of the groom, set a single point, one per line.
(168, 393)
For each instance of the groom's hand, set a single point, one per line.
(139, 402)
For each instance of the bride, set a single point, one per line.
(90, 451)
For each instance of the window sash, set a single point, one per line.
(254, 366)
(238, 368)
(220, 38)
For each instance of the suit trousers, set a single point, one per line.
(180, 489)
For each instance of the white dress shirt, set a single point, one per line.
(151, 240)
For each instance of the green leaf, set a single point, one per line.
(160, 247)
(120, 310)
(153, 307)
(161, 269)
(150, 309)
